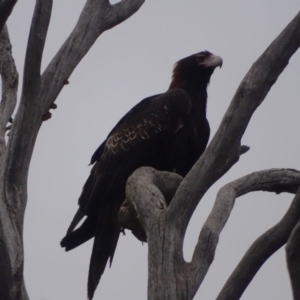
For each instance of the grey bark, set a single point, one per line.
(293, 259)
(38, 94)
(166, 183)
(269, 242)
(167, 269)
(9, 78)
(169, 276)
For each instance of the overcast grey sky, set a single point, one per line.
(128, 63)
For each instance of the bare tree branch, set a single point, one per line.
(145, 198)
(147, 191)
(144, 195)
(122, 11)
(9, 78)
(218, 158)
(167, 184)
(268, 243)
(92, 23)
(293, 260)
(17, 157)
(38, 94)
(96, 17)
(6, 278)
(144, 192)
(6, 7)
(35, 47)
(224, 149)
(274, 180)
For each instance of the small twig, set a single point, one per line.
(97, 16)
(46, 116)
(244, 149)
(53, 106)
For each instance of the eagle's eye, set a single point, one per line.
(201, 56)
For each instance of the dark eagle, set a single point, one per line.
(167, 131)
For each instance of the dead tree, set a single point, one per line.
(38, 95)
(169, 275)
(164, 226)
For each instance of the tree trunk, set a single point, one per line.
(38, 95)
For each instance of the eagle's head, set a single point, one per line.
(207, 59)
(195, 69)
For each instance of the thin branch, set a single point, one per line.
(224, 150)
(293, 260)
(122, 11)
(6, 7)
(23, 134)
(274, 180)
(244, 149)
(13, 188)
(96, 17)
(27, 122)
(36, 42)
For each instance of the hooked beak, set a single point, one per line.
(213, 61)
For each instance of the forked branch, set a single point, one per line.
(163, 184)
(224, 149)
(274, 180)
(148, 192)
(38, 94)
(97, 16)
(143, 193)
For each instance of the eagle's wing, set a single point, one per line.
(134, 142)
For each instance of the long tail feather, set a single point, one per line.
(85, 232)
(105, 243)
(77, 218)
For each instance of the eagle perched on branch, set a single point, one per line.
(168, 132)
